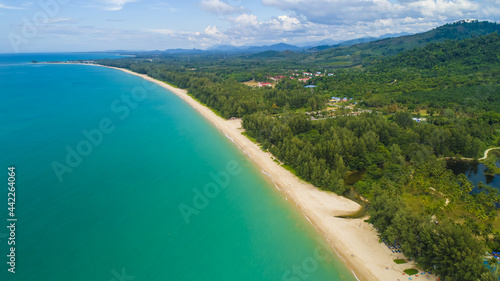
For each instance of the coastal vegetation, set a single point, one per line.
(400, 261)
(411, 271)
(491, 162)
(414, 199)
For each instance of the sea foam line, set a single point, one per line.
(267, 174)
(308, 220)
(355, 275)
(241, 148)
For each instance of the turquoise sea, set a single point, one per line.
(118, 179)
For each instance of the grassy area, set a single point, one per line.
(418, 202)
(253, 83)
(490, 162)
(249, 137)
(400, 261)
(289, 169)
(411, 271)
(423, 113)
(213, 110)
(168, 83)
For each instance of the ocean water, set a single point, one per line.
(27, 58)
(118, 179)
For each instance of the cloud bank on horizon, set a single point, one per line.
(79, 25)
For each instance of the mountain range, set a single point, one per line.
(387, 44)
(280, 47)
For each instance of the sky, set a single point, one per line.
(101, 25)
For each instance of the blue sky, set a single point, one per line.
(98, 25)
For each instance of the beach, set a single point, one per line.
(354, 241)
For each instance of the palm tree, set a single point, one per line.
(493, 263)
(475, 229)
(480, 214)
(487, 230)
(469, 207)
(492, 215)
(481, 197)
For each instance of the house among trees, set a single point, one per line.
(277, 78)
(265, 84)
(419, 120)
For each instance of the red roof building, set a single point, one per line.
(265, 84)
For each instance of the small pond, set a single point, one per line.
(475, 172)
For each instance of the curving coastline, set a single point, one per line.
(354, 241)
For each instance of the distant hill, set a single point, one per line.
(324, 42)
(320, 47)
(223, 48)
(254, 49)
(392, 46)
(181, 51)
(273, 55)
(275, 47)
(343, 54)
(305, 47)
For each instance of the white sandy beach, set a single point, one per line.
(355, 241)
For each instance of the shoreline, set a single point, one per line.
(354, 241)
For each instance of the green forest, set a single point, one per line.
(450, 76)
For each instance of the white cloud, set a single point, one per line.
(337, 12)
(432, 8)
(163, 31)
(219, 7)
(3, 6)
(211, 30)
(249, 24)
(245, 20)
(211, 33)
(61, 20)
(287, 23)
(115, 5)
(299, 21)
(247, 29)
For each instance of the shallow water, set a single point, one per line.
(117, 178)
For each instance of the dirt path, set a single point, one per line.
(471, 159)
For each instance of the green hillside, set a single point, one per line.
(461, 75)
(392, 46)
